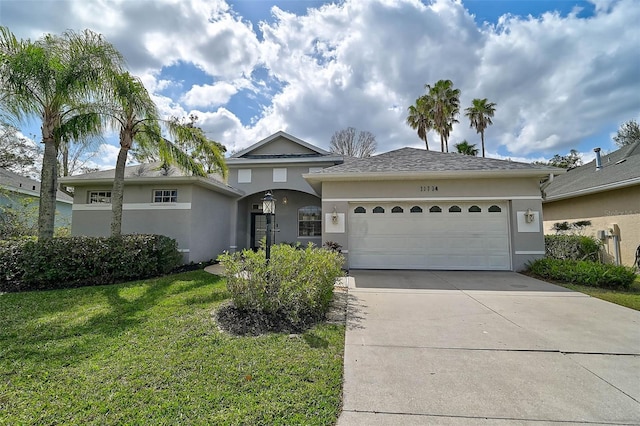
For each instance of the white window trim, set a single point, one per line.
(98, 192)
(162, 196)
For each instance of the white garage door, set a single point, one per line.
(429, 235)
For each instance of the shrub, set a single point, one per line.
(575, 247)
(296, 285)
(583, 272)
(84, 261)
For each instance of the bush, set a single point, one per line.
(575, 247)
(84, 261)
(295, 286)
(583, 272)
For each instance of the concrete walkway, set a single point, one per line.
(486, 348)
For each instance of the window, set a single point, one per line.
(360, 209)
(435, 209)
(397, 209)
(416, 209)
(454, 209)
(165, 196)
(280, 175)
(310, 221)
(99, 197)
(474, 209)
(244, 175)
(494, 209)
(378, 210)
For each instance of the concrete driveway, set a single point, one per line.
(445, 347)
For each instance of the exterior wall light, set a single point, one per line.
(529, 216)
(334, 216)
(285, 200)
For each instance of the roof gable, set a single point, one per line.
(619, 168)
(281, 145)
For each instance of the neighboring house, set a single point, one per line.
(20, 192)
(405, 209)
(606, 192)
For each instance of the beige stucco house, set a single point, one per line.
(404, 209)
(605, 192)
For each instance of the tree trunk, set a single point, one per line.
(117, 193)
(48, 186)
(482, 139)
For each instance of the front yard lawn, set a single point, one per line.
(629, 297)
(149, 352)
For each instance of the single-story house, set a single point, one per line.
(404, 209)
(22, 192)
(606, 192)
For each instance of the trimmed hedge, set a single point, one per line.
(575, 247)
(296, 285)
(583, 272)
(84, 261)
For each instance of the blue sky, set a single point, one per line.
(564, 74)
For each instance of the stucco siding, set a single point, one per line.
(621, 207)
(262, 178)
(281, 145)
(433, 189)
(210, 224)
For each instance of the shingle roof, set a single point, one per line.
(620, 167)
(25, 185)
(419, 160)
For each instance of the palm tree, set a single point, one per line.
(419, 118)
(480, 113)
(445, 105)
(136, 117)
(59, 79)
(467, 149)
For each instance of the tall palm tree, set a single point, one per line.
(466, 148)
(480, 113)
(59, 79)
(420, 119)
(136, 117)
(445, 106)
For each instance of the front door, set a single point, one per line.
(258, 229)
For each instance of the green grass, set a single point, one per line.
(629, 297)
(149, 352)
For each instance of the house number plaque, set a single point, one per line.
(428, 188)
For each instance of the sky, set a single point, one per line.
(564, 74)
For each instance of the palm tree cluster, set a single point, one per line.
(438, 110)
(76, 83)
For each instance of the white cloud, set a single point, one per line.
(557, 80)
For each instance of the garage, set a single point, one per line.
(452, 235)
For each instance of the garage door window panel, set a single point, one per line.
(359, 210)
(454, 209)
(378, 209)
(475, 209)
(397, 209)
(435, 209)
(310, 221)
(416, 209)
(494, 209)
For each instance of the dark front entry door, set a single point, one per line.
(258, 229)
